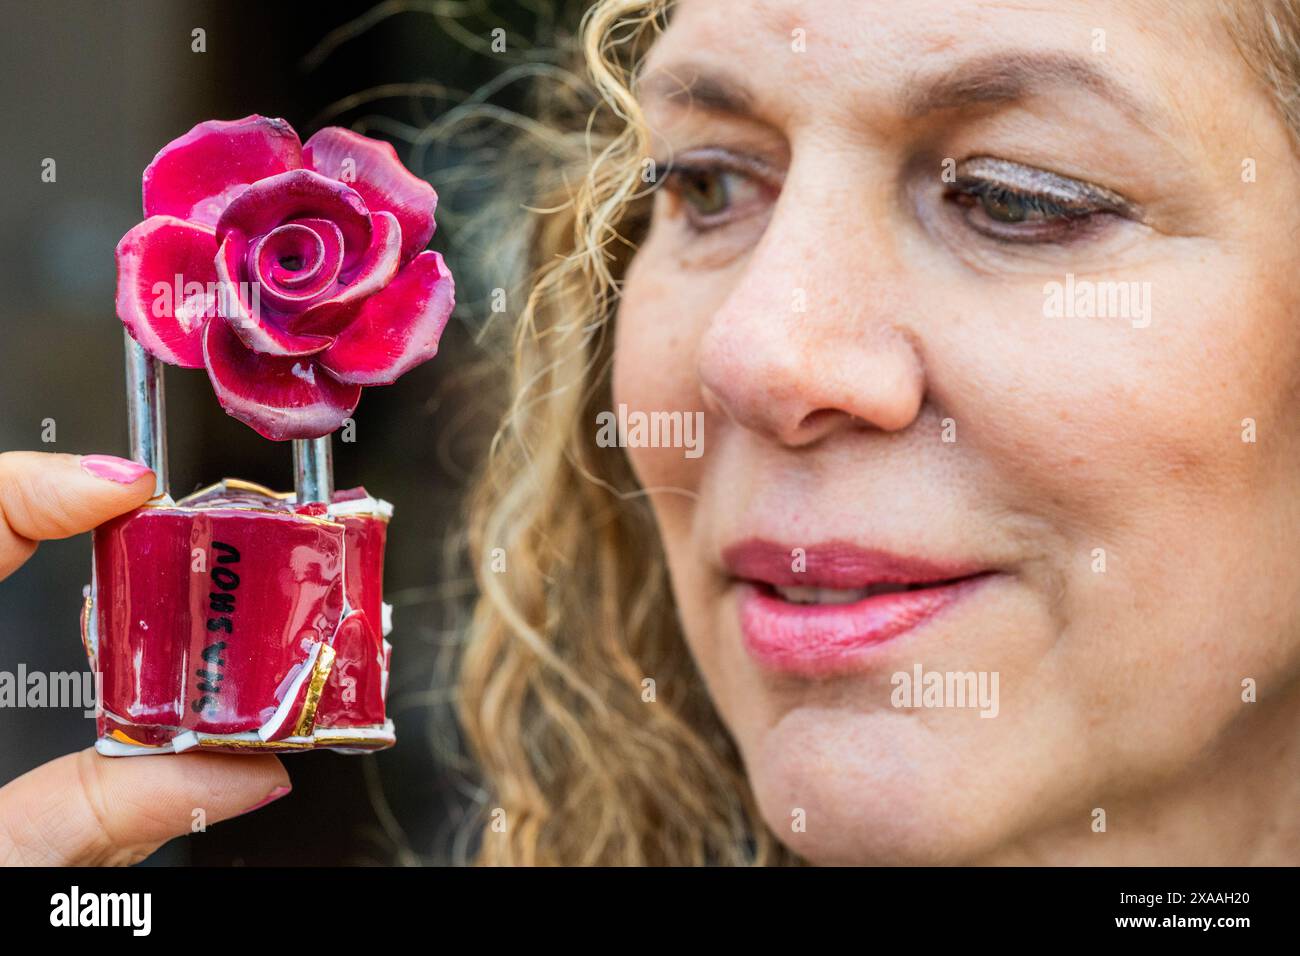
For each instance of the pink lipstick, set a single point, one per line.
(814, 611)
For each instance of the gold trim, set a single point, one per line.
(176, 508)
(386, 519)
(87, 610)
(256, 744)
(366, 743)
(316, 743)
(124, 739)
(237, 484)
(320, 673)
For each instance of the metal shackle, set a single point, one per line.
(313, 458)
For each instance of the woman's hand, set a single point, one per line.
(84, 808)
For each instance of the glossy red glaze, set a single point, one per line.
(233, 621)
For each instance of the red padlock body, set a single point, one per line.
(234, 621)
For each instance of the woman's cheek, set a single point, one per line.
(655, 343)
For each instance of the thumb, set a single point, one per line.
(45, 496)
(91, 810)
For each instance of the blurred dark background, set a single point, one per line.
(100, 87)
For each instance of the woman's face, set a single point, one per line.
(992, 313)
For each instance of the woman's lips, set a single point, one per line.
(815, 610)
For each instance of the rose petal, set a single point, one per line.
(195, 176)
(149, 259)
(255, 324)
(376, 270)
(300, 193)
(397, 328)
(381, 179)
(279, 398)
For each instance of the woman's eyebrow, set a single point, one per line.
(701, 86)
(1011, 75)
(1003, 76)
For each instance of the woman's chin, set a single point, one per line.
(840, 787)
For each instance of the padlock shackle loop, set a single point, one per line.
(146, 411)
(313, 469)
(146, 414)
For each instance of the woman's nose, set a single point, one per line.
(807, 343)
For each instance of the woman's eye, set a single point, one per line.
(708, 191)
(1008, 207)
(713, 192)
(1014, 203)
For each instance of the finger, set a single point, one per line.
(89, 810)
(44, 496)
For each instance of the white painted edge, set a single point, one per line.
(115, 748)
(361, 506)
(272, 726)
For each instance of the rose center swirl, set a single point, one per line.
(296, 262)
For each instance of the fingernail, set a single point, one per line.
(113, 469)
(271, 797)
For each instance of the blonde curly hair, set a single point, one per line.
(576, 693)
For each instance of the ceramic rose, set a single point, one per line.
(240, 619)
(295, 274)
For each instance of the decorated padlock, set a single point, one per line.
(240, 619)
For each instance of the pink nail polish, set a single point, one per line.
(271, 797)
(113, 469)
